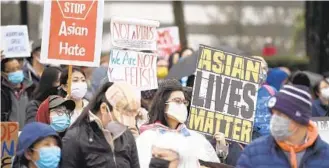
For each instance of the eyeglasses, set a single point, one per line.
(179, 101)
(61, 111)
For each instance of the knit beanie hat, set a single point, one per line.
(293, 101)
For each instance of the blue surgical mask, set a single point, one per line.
(49, 157)
(60, 123)
(16, 77)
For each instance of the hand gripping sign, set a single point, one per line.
(72, 32)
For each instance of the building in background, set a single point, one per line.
(244, 25)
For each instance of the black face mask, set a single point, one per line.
(159, 163)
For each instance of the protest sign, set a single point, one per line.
(323, 127)
(168, 41)
(72, 32)
(135, 34)
(135, 68)
(15, 41)
(225, 94)
(9, 134)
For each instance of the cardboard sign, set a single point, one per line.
(323, 127)
(9, 134)
(168, 41)
(15, 41)
(135, 68)
(72, 32)
(135, 34)
(225, 94)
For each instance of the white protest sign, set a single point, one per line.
(15, 41)
(322, 124)
(135, 34)
(135, 68)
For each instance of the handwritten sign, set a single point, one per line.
(135, 68)
(168, 41)
(72, 32)
(135, 34)
(15, 41)
(323, 127)
(9, 134)
(225, 94)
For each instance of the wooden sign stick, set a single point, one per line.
(69, 79)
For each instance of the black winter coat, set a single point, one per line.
(85, 146)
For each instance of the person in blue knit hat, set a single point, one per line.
(39, 146)
(294, 141)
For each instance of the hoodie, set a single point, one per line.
(275, 78)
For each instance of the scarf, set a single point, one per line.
(312, 135)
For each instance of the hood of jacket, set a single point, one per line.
(275, 78)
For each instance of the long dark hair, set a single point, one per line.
(94, 104)
(157, 110)
(64, 77)
(48, 78)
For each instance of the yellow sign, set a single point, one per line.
(225, 94)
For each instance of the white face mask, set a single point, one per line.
(325, 93)
(78, 90)
(177, 111)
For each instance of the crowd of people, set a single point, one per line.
(104, 124)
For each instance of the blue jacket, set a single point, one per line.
(319, 110)
(263, 114)
(265, 153)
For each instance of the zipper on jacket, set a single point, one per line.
(113, 155)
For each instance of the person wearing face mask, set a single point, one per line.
(320, 106)
(97, 138)
(168, 113)
(32, 67)
(162, 69)
(16, 91)
(48, 85)
(294, 141)
(79, 89)
(39, 146)
(265, 91)
(171, 150)
(56, 112)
